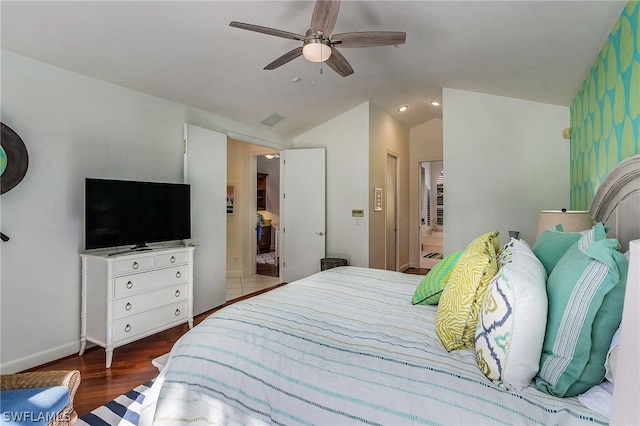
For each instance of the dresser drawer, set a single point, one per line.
(133, 305)
(169, 259)
(155, 319)
(132, 265)
(130, 284)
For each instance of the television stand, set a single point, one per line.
(134, 295)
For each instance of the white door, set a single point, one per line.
(205, 169)
(302, 212)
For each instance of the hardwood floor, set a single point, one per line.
(416, 271)
(131, 364)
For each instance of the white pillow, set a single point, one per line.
(513, 319)
(611, 363)
(599, 398)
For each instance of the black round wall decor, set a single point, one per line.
(14, 159)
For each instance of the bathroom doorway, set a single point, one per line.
(267, 214)
(431, 213)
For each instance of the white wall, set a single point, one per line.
(346, 139)
(504, 161)
(238, 167)
(388, 136)
(73, 127)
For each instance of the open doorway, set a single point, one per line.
(431, 212)
(267, 214)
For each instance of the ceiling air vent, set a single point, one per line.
(273, 119)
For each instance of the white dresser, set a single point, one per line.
(129, 296)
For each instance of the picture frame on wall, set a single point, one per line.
(231, 199)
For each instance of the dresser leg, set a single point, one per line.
(109, 353)
(190, 323)
(83, 346)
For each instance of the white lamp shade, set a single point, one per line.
(316, 51)
(571, 221)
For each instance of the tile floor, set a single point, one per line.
(237, 287)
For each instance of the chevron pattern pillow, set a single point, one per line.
(432, 285)
(461, 300)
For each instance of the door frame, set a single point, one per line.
(396, 180)
(415, 243)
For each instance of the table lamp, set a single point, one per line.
(571, 220)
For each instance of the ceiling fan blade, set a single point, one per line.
(339, 63)
(287, 57)
(369, 39)
(266, 30)
(325, 14)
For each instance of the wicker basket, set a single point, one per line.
(38, 379)
(332, 262)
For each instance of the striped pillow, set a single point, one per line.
(461, 300)
(586, 294)
(432, 285)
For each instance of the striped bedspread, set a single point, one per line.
(344, 346)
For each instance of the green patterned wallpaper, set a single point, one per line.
(605, 115)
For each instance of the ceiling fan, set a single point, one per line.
(319, 45)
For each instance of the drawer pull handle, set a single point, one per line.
(173, 259)
(177, 293)
(129, 285)
(178, 274)
(177, 312)
(127, 328)
(135, 265)
(128, 307)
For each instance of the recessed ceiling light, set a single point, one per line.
(436, 103)
(403, 108)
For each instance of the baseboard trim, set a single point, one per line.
(40, 358)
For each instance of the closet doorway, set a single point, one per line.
(431, 213)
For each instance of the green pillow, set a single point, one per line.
(430, 289)
(553, 243)
(586, 294)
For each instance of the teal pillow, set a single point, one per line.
(553, 243)
(586, 294)
(430, 289)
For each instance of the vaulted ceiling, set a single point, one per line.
(185, 51)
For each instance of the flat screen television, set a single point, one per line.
(134, 213)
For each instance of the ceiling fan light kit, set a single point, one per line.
(316, 50)
(319, 46)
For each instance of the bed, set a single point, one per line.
(347, 346)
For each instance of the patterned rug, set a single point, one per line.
(124, 410)
(433, 255)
